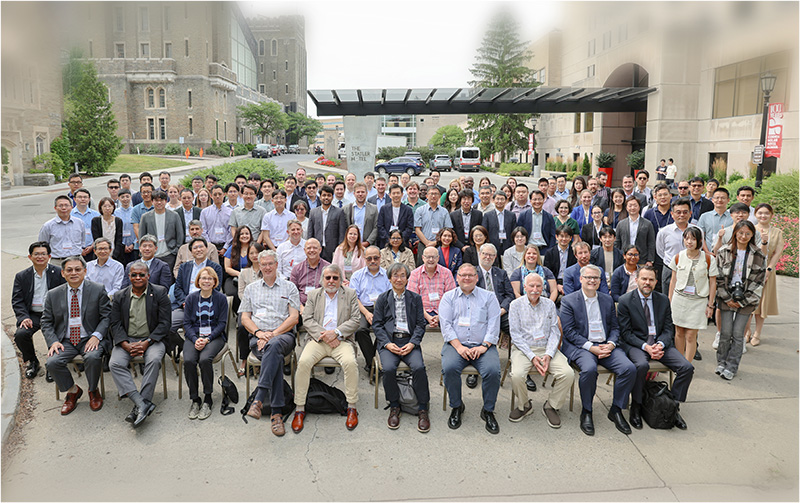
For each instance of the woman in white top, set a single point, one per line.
(174, 193)
(300, 210)
(694, 282)
(512, 257)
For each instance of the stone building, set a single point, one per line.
(32, 103)
(705, 61)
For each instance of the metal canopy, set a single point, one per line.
(479, 100)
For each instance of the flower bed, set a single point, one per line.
(321, 160)
(788, 264)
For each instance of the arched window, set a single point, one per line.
(261, 49)
(40, 140)
(274, 47)
(151, 98)
(162, 98)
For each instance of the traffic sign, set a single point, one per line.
(758, 154)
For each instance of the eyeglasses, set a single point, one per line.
(697, 185)
(138, 275)
(683, 188)
(591, 278)
(395, 237)
(632, 254)
(372, 259)
(332, 278)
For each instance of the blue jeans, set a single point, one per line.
(488, 365)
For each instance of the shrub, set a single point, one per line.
(782, 192)
(173, 149)
(787, 265)
(555, 166)
(719, 170)
(61, 147)
(241, 149)
(193, 151)
(514, 169)
(391, 152)
(50, 163)
(571, 175)
(587, 165)
(635, 160)
(226, 173)
(153, 149)
(735, 177)
(605, 159)
(704, 176)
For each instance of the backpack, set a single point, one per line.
(266, 410)
(658, 406)
(324, 399)
(408, 399)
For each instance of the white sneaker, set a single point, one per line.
(715, 344)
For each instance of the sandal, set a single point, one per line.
(277, 425)
(755, 339)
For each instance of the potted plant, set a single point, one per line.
(605, 163)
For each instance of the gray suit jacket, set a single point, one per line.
(334, 231)
(347, 313)
(95, 312)
(370, 231)
(173, 232)
(645, 238)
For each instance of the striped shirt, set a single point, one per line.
(431, 289)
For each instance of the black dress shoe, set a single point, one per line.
(472, 381)
(330, 370)
(48, 377)
(287, 370)
(455, 417)
(587, 424)
(530, 384)
(149, 407)
(619, 421)
(33, 369)
(698, 356)
(491, 423)
(132, 416)
(636, 416)
(679, 422)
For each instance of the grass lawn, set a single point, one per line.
(128, 163)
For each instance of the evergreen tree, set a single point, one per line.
(91, 126)
(501, 62)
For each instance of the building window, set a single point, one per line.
(224, 102)
(191, 127)
(151, 129)
(167, 49)
(144, 17)
(261, 48)
(166, 18)
(144, 50)
(590, 71)
(186, 47)
(162, 98)
(119, 19)
(606, 40)
(151, 98)
(120, 50)
(623, 33)
(287, 88)
(206, 49)
(274, 75)
(287, 65)
(577, 125)
(262, 89)
(262, 67)
(543, 75)
(592, 47)
(162, 128)
(40, 141)
(737, 87)
(91, 49)
(225, 130)
(190, 98)
(216, 124)
(274, 48)
(588, 122)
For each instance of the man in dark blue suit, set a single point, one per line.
(185, 282)
(591, 335)
(541, 225)
(399, 335)
(647, 333)
(159, 270)
(500, 232)
(465, 215)
(572, 275)
(395, 215)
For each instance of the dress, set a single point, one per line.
(769, 296)
(689, 310)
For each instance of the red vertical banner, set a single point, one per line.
(774, 130)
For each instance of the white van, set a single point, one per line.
(467, 159)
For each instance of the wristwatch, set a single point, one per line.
(486, 345)
(338, 334)
(769, 269)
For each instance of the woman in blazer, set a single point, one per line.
(396, 251)
(205, 320)
(591, 232)
(110, 227)
(623, 280)
(449, 254)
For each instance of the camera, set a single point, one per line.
(737, 292)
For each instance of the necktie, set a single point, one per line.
(650, 338)
(340, 204)
(74, 311)
(489, 281)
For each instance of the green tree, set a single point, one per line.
(73, 72)
(501, 62)
(265, 119)
(449, 137)
(91, 126)
(300, 126)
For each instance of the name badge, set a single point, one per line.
(393, 228)
(348, 268)
(74, 321)
(594, 247)
(261, 313)
(689, 290)
(329, 324)
(433, 296)
(205, 331)
(88, 232)
(309, 289)
(537, 236)
(651, 330)
(596, 330)
(161, 237)
(608, 277)
(126, 234)
(502, 234)
(219, 232)
(538, 337)
(37, 302)
(463, 321)
(373, 297)
(694, 221)
(402, 326)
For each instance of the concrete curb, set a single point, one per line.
(318, 167)
(11, 386)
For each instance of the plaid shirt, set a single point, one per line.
(269, 306)
(424, 285)
(534, 327)
(400, 314)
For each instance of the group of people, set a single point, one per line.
(342, 267)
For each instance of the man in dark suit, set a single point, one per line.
(591, 335)
(363, 214)
(185, 281)
(27, 298)
(464, 219)
(500, 223)
(647, 333)
(327, 224)
(699, 203)
(598, 199)
(395, 215)
(541, 225)
(399, 333)
(498, 282)
(645, 234)
(187, 212)
(572, 275)
(561, 256)
(160, 273)
(75, 322)
(140, 319)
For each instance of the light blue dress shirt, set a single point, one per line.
(369, 286)
(472, 318)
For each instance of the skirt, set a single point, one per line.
(689, 312)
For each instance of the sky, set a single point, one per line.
(398, 44)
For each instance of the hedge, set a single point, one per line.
(226, 173)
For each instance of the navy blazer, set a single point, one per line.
(219, 324)
(159, 274)
(619, 282)
(159, 316)
(456, 259)
(553, 262)
(405, 223)
(575, 322)
(475, 219)
(572, 279)
(633, 325)
(22, 294)
(500, 284)
(598, 258)
(383, 321)
(184, 279)
(493, 226)
(525, 219)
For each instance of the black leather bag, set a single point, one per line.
(658, 406)
(229, 394)
(266, 410)
(324, 399)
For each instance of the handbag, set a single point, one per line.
(408, 399)
(659, 409)
(229, 394)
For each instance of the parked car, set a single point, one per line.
(467, 159)
(441, 163)
(282, 148)
(401, 165)
(294, 149)
(262, 150)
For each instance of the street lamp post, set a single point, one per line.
(767, 86)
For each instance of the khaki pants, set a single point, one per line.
(316, 351)
(559, 368)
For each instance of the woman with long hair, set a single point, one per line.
(591, 231)
(478, 236)
(109, 226)
(397, 251)
(616, 210)
(249, 274)
(533, 263)
(203, 198)
(449, 254)
(235, 261)
(623, 279)
(349, 255)
(742, 267)
(562, 217)
(484, 181)
(772, 247)
(452, 200)
(174, 193)
(578, 186)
